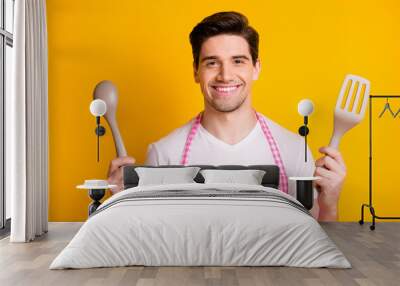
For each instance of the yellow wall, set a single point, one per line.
(306, 49)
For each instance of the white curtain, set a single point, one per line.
(27, 124)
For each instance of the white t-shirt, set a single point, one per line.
(254, 149)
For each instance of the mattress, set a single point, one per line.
(201, 225)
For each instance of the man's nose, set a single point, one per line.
(225, 73)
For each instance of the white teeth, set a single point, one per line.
(226, 89)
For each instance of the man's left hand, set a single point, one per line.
(332, 170)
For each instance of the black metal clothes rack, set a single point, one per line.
(370, 205)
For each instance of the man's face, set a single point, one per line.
(226, 72)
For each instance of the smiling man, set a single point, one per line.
(229, 130)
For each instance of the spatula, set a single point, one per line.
(350, 106)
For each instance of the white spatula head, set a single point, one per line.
(350, 106)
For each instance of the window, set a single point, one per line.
(6, 61)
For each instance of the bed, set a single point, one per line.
(201, 224)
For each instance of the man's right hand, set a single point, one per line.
(115, 172)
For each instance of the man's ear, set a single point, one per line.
(257, 69)
(195, 73)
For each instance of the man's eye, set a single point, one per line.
(239, 61)
(210, 64)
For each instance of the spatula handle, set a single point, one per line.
(340, 127)
(335, 140)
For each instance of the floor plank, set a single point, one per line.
(374, 255)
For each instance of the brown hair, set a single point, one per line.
(231, 23)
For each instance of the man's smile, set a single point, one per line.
(224, 90)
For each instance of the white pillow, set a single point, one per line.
(249, 177)
(161, 176)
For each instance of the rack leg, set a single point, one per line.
(361, 221)
(372, 210)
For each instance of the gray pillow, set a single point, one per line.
(161, 176)
(249, 177)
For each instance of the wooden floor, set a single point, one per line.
(375, 256)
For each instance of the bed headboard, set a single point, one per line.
(270, 179)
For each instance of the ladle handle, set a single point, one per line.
(119, 144)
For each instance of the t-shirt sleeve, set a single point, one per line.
(155, 157)
(152, 156)
(305, 169)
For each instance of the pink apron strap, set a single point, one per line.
(275, 153)
(189, 139)
(270, 139)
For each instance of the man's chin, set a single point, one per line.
(226, 108)
(225, 105)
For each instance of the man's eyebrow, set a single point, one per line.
(208, 58)
(233, 57)
(241, 57)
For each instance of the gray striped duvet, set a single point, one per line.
(201, 224)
